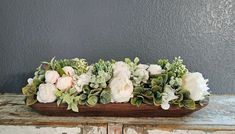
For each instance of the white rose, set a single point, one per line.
(68, 70)
(143, 66)
(155, 69)
(64, 83)
(121, 68)
(167, 95)
(82, 80)
(196, 85)
(51, 76)
(30, 81)
(121, 89)
(46, 93)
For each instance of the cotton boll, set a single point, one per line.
(46, 93)
(121, 89)
(155, 69)
(30, 81)
(51, 76)
(64, 83)
(68, 70)
(196, 85)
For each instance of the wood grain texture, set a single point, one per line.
(218, 115)
(114, 110)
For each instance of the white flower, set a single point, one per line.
(143, 66)
(167, 95)
(30, 81)
(46, 93)
(51, 76)
(155, 69)
(82, 80)
(64, 83)
(196, 85)
(121, 68)
(68, 70)
(121, 89)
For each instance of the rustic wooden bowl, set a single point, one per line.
(114, 110)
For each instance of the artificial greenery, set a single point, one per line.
(97, 90)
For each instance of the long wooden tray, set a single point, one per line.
(114, 110)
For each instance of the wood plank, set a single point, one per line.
(218, 115)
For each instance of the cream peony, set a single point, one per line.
(46, 93)
(121, 68)
(196, 85)
(155, 69)
(121, 89)
(68, 70)
(51, 76)
(82, 80)
(167, 95)
(64, 83)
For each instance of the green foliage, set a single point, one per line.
(79, 65)
(101, 74)
(30, 91)
(148, 92)
(105, 96)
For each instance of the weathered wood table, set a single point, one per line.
(217, 118)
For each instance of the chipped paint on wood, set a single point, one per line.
(218, 117)
(90, 129)
(38, 130)
(115, 128)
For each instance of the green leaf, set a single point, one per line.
(58, 93)
(136, 60)
(105, 96)
(72, 90)
(92, 100)
(59, 69)
(36, 82)
(74, 107)
(136, 101)
(30, 100)
(156, 88)
(189, 104)
(29, 90)
(95, 91)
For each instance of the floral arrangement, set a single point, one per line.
(74, 82)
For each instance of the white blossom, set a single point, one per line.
(121, 68)
(155, 69)
(64, 83)
(68, 70)
(167, 95)
(121, 89)
(143, 66)
(196, 85)
(46, 93)
(51, 76)
(82, 80)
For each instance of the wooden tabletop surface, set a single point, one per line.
(219, 114)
